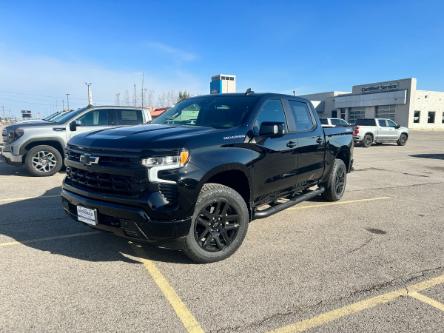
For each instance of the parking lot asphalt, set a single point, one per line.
(373, 261)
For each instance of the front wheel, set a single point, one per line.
(337, 180)
(43, 161)
(219, 224)
(402, 139)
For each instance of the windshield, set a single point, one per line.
(52, 115)
(66, 116)
(216, 111)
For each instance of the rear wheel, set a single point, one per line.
(402, 139)
(219, 224)
(43, 161)
(367, 141)
(335, 186)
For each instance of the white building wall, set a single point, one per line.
(428, 101)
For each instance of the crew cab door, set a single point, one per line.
(275, 170)
(393, 130)
(92, 120)
(383, 133)
(309, 139)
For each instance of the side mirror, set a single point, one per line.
(73, 126)
(272, 129)
(397, 126)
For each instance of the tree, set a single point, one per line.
(183, 95)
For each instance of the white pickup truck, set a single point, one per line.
(379, 130)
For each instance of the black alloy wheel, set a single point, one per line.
(217, 225)
(340, 181)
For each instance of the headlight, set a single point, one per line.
(172, 162)
(156, 164)
(14, 135)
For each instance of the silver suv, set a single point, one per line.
(40, 145)
(379, 130)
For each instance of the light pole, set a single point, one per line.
(90, 99)
(67, 101)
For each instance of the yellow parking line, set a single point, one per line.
(27, 198)
(79, 234)
(427, 300)
(337, 203)
(365, 304)
(184, 314)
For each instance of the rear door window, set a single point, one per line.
(382, 123)
(128, 117)
(302, 116)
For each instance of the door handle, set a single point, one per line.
(291, 144)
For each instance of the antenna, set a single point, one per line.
(249, 92)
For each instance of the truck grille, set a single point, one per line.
(106, 183)
(169, 192)
(106, 160)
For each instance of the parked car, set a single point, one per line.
(379, 130)
(334, 122)
(204, 169)
(40, 145)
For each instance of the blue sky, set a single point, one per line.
(49, 48)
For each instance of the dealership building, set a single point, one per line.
(398, 100)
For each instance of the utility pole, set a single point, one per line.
(143, 77)
(118, 99)
(294, 92)
(90, 99)
(67, 101)
(63, 103)
(135, 95)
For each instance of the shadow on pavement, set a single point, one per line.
(432, 156)
(39, 217)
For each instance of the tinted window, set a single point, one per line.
(271, 110)
(391, 123)
(324, 121)
(213, 111)
(94, 118)
(128, 117)
(365, 122)
(302, 116)
(335, 121)
(66, 116)
(382, 123)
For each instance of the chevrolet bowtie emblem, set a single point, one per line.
(88, 159)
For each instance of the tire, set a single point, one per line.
(43, 161)
(337, 181)
(402, 139)
(367, 141)
(209, 239)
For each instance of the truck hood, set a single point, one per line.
(147, 137)
(29, 124)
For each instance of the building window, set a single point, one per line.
(443, 117)
(343, 114)
(385, 111)
(416, 117)
(355, 114)
(334, 114)
(431, 117)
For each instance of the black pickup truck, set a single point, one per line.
(204, 169)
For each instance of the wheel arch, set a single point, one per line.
(233, 176)
(56, 143)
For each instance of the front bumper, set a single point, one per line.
(126, 221)
(10, 157)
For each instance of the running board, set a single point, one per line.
(275, 209)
